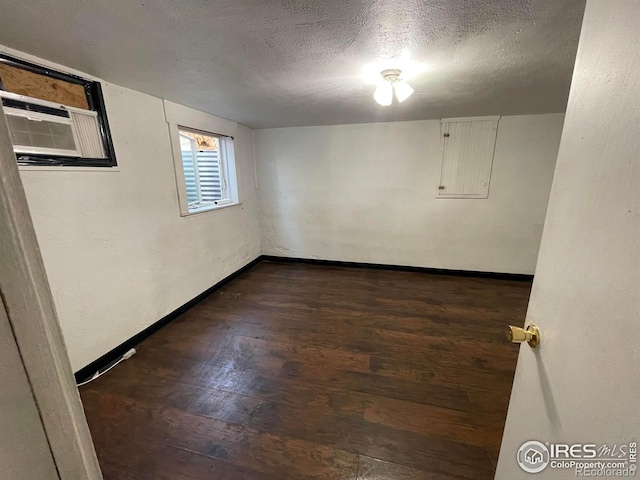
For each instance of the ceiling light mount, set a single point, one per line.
(392, 82)
(391, 74)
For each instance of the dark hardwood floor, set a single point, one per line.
(298, 371)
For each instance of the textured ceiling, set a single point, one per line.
(272, 63)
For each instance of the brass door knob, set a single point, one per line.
(518, 335)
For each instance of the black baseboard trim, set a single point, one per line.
(401, 268)
(109, 357)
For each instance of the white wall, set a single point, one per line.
(118, 255)
(366, 193)
(581, 385)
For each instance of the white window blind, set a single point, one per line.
(467, 157)
(202, 173)
(204, 165)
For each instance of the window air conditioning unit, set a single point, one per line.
(40, 127)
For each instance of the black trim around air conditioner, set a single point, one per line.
(95, 100)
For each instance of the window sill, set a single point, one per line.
(210, 208)
(47, 168)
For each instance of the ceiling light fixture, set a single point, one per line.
(392, 81)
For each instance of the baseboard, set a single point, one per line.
(402, 268)
(111, 356)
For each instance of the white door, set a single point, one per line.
(578, 394)
(468, 145)
(24, 450)
(43, 431)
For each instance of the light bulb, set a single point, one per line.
(403, 90)
(384, 94)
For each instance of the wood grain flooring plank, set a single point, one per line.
(296, 371)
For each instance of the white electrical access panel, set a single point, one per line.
(467, 146)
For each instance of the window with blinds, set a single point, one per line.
(206, 164)
(467, 157)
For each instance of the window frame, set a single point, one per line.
(228, 177)
(95, 101)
